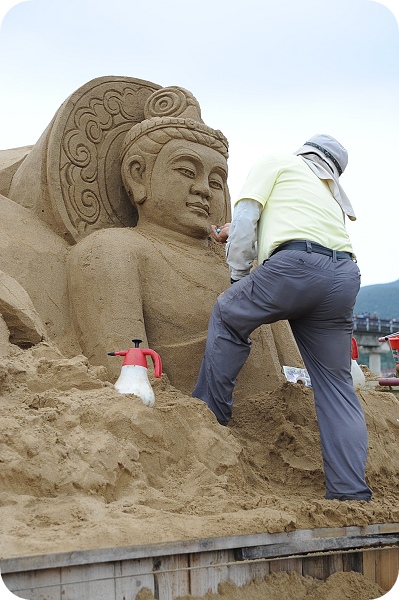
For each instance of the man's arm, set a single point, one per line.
(241, 243)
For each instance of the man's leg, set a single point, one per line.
(270, 293)
(225, 355)
(324, 341)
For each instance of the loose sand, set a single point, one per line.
(291, 586)
(83, 466)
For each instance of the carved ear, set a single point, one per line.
(133, 169)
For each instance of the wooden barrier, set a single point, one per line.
(195, 567)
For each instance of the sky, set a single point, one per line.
(268, 73)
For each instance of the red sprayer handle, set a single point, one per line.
(355, 349)
(156, 359)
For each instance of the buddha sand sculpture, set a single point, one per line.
(104, 237)
(129, 179)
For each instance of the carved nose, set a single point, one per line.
(201, 189)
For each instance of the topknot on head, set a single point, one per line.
(176, 112)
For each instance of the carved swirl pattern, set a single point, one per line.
(89, 195)
(166, 103)
(86, 203)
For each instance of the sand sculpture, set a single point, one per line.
(116, 199)
(97, 248)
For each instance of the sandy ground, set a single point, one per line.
(83, 466)
(291, 586)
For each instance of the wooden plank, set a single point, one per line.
(317, 545)
(352, 561)
(88, 581)
(387, 568)
(131, 576)
(259, 570)
(334, 563)
(171, 576)
(102, 555)
(287, 565)
(208, 570)
(316, 566)
(388, 527)
(35, 585)
(180, 574)
(241, 573)
(369, 564)
(322, 566)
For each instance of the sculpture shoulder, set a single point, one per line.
(114, 239)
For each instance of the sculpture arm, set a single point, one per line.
(105, 295)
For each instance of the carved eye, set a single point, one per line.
(215, 184)
(186, 172)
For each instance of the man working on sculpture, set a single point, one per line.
(294, 208)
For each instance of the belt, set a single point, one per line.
(312, 247)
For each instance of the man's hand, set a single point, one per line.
(220, 234)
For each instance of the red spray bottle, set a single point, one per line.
(134, 375)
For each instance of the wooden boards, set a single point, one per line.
(195, 567)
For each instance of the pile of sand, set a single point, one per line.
(83, 466)
(291, 586)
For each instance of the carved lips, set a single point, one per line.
(200, 206)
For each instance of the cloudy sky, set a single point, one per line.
(268, 73)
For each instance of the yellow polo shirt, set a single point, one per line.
(297, 205)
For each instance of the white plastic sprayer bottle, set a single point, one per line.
(134, 374)
(357, 374)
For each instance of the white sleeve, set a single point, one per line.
(241, 244)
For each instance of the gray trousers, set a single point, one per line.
(316, 294)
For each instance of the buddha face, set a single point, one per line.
(187, 190)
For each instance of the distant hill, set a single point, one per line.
(382, 298)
